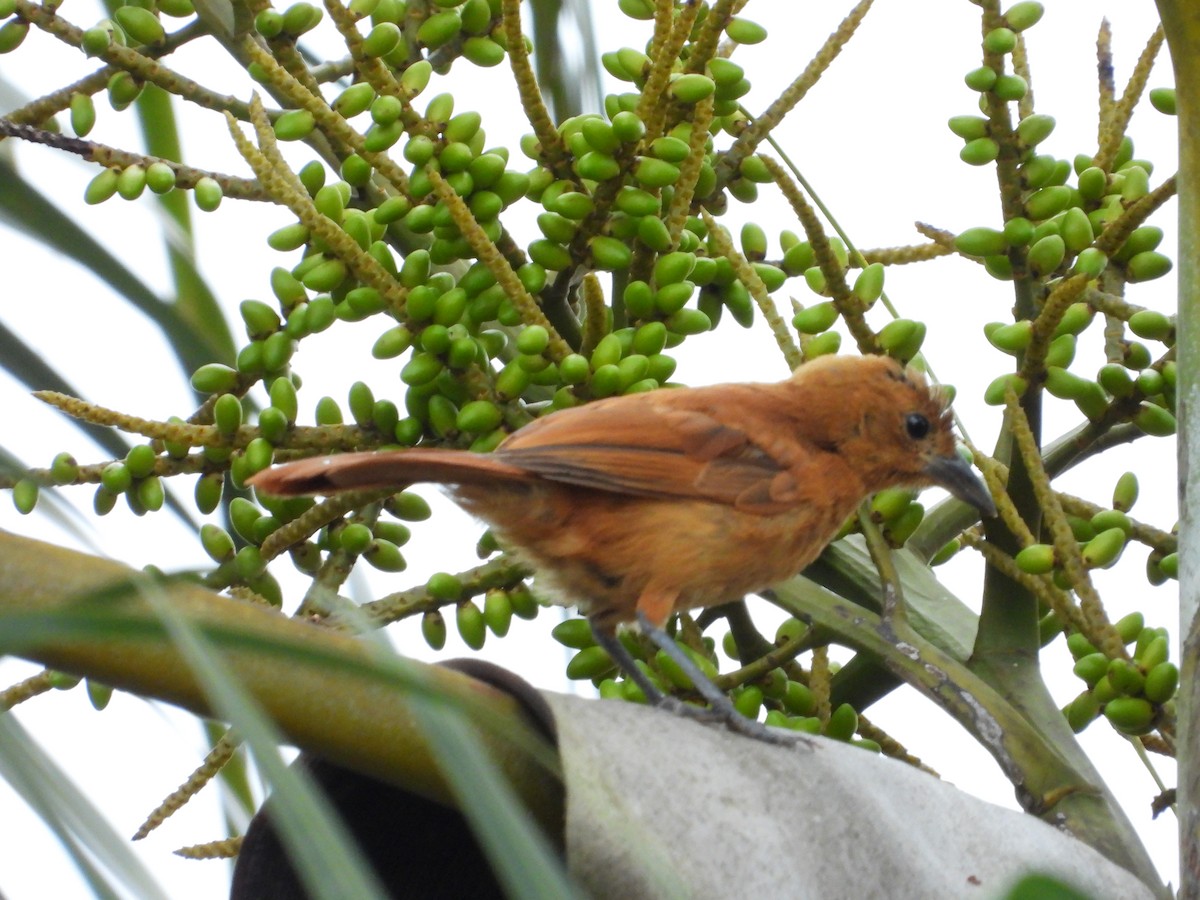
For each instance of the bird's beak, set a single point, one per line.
(956, 475)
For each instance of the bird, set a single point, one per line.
(639, 506)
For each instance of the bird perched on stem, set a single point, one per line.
(639, 506)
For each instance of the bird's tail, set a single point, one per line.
(385, 469)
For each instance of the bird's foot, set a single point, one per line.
(725, 715)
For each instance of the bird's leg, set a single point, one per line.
(721, 710)
(628, 665)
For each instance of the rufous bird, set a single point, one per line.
(639, 506)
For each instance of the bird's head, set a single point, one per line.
(895, 429)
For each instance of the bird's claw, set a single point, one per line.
(730, 719)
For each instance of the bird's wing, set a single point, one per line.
(653, 450)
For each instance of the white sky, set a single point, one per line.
(872, 139)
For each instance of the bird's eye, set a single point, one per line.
(916, 425)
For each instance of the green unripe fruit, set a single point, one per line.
(869, 285)
(208, 492)
(325, 276)
(25, 496)
(497, 612)
(439, 29)
(13, 32)
(1125, 493)
(328, 412)
(815, 279)
(1154, 420)
(1082, 711)
(691, 88)
(160, 177)
(478, 417)
(103, 501)
(981, 79)
(799, 700)
(628, 127)
(354, 100)
(1125, 677)
(354, 538)
(890, 503)
(214, 378)
(1150, 382)
(392, 343)
(673, 267)
(433, 629)
(511, 382)
(597, 166)
(1093, 181)
(1163, 99)
(1010, 87)
(999, 40)
(249, 563)
(1076, 230)
(1091, 668)
(362, 402)
(994, 394)
(979, 152)
(1035, 129)
(294, 125)
(902, 338)
(969, 128)
(227, 414)
(1130, 715)
(1047, 202)
(1104, 549)
(573, 205)
(1024, 15)
(101, 187)
(574, 369)
(1091, 262)
(123, 88)
(1091, 400)
(673, 297)
(140, 24)
(843, 723)
(471, 625)
(655, 173)
(610, 254)
(208, 194)
(1047, 254)
(1135, 183)
(1111, 518)
(1061, 352)
(1079, 645)
(748, 701)
(1161, 682)
(1151, 325)
(688, 322)
(590, 663)
(653, 232)
(1077, 317)
(550, 255)
(382, 39)
(980, 241)
(825, 344)
(1137, 355)
(743, 31)
(64, 469)
(384, 556)
(131, 182)
(574, 633)
(533, 340)
(1154, 653)
(1036, 559)
(1012, 338)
